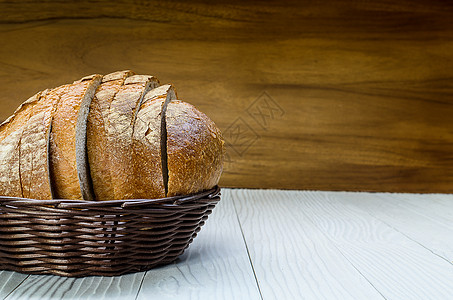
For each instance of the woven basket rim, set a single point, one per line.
(127, 203)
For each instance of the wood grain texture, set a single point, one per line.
(338, 95)
(400, 268)
(396, 266)
(54, 287)
(421, 218)
(216, 265)
(292, 258)
(289, 245)
(9, 281)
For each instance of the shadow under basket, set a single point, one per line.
(76, 238)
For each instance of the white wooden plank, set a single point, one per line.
(304, 245)
(419, 217)
(292, 258)
(9, 281)
(55, 287)
(438, 206)
(215, 266)
(397, 266)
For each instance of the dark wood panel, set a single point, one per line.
(333, 95)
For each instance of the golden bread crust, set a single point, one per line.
(11, 132)
(64, 147)
(195, 150)
(97, 135)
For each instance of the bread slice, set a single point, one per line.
(147, 152)
(195, 150)
(122, 115)
(34, 148)
(11, 132)
(97, 136)
(165, 91)
(68, 157)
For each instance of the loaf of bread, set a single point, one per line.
(118, 136)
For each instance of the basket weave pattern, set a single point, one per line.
(87, 238)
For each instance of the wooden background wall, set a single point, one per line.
(324, 95)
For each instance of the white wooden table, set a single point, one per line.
(290, 245)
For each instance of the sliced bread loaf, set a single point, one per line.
(68, 157)
(195, 150)
(148, 155)
(97, 135)
(121, 117)
(34, 149)
(11, 132)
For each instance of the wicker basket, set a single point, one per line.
(84, 238)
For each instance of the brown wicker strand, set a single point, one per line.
(75, 238)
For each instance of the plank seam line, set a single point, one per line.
(12, 291)
(438, 255)
(246, 246)
(141, 284)
(335, 245)
(405, 235)
(361, 274)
